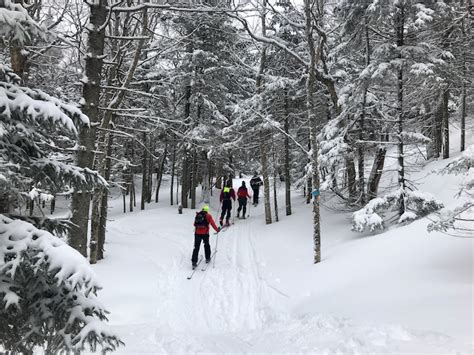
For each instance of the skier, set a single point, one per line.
(255, 184)
(242, 195)
(227, 195)
(201, 222)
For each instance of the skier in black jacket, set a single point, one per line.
(255, 184)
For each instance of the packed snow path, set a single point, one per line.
(229, 298)
(264, 295)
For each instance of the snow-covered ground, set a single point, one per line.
(403, 291)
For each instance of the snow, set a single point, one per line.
(37, 105)
(16, 24)
(403, 291)
(67, 264)
(422, 69)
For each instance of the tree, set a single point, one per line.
(47, 289)
(458, 222)
(90, 105)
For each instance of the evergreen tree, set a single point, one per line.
(47, 289)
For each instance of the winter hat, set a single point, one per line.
(205, 208)
(243, 183)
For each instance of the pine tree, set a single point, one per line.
(47, 289)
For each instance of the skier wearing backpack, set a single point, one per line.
(255, 184)
(227, 195)
(242, 195)
(201, 222)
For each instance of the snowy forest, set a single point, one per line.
(121, 120)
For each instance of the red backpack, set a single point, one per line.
(242, 192)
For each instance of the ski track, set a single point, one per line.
(221, 304)
(235, 308)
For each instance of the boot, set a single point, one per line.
(238, 213)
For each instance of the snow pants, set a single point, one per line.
(242, 206)
(255, 195)
(197, 245)
(226, 209)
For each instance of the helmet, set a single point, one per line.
(205, 208)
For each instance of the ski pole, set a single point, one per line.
(233, 213)
(215, 251)
(219, 210)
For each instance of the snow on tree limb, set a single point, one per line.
(453, 222)
(33, 263)
(372, 215)
(35, 105)
(16, 24)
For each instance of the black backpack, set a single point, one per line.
(226, 194)
(200, 220)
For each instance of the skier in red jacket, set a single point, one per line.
(201, 222)
(242, 196)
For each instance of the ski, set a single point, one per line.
(225, 227)
(195, 268)
(204, 268)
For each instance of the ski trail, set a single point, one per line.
(231, 298)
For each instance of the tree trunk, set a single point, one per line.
(159, 174)
(376, 173)
(263, 139)
(31, 207)
(275, 179)
(361, 148)
(105, 200)
(53, 205)
(124, 197)
(287, 158)
(173, 165)
(145, 159)
(351, 180)
(463, 117)
(95, 220)
(99, 202)
(205, 178)
(445, 124)
(184, 180)
(437, 130)
(428, 130)
(151, 162)
(310, 111)
(400, 124)
(463, 89)
(177, 189)
(219, 181)
(194, 181)
(131, 187)
(185, 186)
(18, 58)
(91, 92)
(266, 182)
(309, 183)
